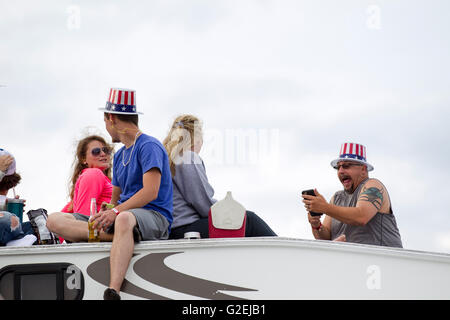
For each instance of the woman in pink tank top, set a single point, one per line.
(91, 177)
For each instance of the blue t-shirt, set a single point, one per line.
(148, 153)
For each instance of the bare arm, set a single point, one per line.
(116, 195)
(370, 201)
(324, 232)
(5, 162)
(151, 181)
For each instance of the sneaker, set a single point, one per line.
(111, 294)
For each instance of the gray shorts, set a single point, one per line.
(151, 224)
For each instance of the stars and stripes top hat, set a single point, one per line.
(352, 152)
(121, 101)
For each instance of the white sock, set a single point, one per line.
(28, 240)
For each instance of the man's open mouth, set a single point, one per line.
(346, 181)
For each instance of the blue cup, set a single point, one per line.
(15, 206)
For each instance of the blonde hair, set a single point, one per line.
(183, 134)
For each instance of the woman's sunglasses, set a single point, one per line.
(96, 151)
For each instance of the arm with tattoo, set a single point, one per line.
(372, 199)
(372, 195)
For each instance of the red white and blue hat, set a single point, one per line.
(121, 101)
(352, 152)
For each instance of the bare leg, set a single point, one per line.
(122, 248)
(66, 226)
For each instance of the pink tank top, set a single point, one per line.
(92, 183)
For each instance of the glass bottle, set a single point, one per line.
(93, 233)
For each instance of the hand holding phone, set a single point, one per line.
(310, 192)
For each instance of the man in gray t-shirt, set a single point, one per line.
(360, 213)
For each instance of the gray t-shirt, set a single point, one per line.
(381, 230)
(192, 193)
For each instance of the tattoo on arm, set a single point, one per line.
(373, 195)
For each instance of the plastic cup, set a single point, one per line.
(15, 206)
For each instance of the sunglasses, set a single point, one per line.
(347, 165)
(96, 151)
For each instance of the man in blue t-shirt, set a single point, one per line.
(142, 187)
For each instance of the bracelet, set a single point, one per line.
(318, 228)
(115, 211)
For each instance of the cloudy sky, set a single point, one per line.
(279, 85)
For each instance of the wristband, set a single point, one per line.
(115, 211)
(320, 226)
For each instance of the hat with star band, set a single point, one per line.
(352, 152)
(121, 101)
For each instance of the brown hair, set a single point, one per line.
(182, 134)
(9, 182)
(133, 118)
(80, 157)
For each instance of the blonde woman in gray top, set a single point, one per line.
(192, 192)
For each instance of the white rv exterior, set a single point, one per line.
(232, 268)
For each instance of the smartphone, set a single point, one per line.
(310, 192)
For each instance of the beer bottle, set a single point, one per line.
(93, 233)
